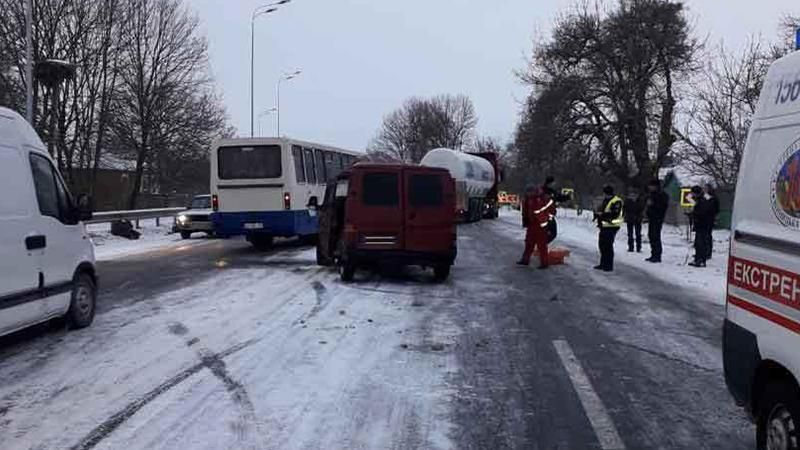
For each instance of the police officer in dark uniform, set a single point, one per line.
(657, 204)
(634, 215)
(609, 220)
(703, 215)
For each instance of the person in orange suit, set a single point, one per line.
(537, 209)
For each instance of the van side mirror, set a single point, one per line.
(83, 207)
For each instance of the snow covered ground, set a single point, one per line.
(269, 346)
(107, 246)
(579, 231)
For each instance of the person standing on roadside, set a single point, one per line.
(703, 214)
(609, 220)
(657, 204)
(537, 210)
(711, 196)
(634, 214)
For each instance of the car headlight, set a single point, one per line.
(182, 219)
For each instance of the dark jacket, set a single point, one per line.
(555, 195)
(704, 214)
(634, 209)
(714, 206)
(657, 205)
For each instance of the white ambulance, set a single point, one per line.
(761, 333)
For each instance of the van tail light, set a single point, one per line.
(215, 202)
(287, 201)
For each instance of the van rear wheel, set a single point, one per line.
(83, 303)
(441, 272)
(778, 417)
(347, 271)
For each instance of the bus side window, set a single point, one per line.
(319, 163)
(331, 165)
(308, 160)
(341, 160)
(299, 168)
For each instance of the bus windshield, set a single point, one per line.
(249, 162)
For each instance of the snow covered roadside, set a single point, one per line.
(108, 247)
(270, 353)
(580, 231)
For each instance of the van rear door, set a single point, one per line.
(429, 221)
(375, 210)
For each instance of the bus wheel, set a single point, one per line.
(261, 242)
(309, 239)
(778, 417)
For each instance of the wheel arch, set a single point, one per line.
(767, 372)
(88, 269)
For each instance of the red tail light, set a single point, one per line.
(215, 202)
(287, 201)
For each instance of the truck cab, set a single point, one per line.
(388, 213)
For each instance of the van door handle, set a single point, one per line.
(35, 242)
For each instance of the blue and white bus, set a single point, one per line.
(261, 187)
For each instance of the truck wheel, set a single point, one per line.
(347, 271)
(441, 272)
(83, 303)
(261, 243)
(186, 234)
(778, 417)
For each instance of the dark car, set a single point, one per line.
(388, 213)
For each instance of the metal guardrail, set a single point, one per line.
(134, 215)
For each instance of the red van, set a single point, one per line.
(388, 213)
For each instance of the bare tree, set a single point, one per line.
(424, 124)
(615, 72)
(715, 133)
(162, 68)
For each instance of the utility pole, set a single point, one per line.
(29, 61)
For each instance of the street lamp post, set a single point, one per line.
(285, 77)
(264, 114)
(260, 11)
(29, 61)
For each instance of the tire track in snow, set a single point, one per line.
(99, 433)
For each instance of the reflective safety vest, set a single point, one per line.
(618, 219)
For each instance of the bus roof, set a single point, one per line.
(280, 141)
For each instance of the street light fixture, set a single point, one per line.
(260, 11)
(263, 114)
(285, 77)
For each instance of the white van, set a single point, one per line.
(761, 333)
(47, 265)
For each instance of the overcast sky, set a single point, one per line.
(362, 58)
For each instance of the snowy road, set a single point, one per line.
(216, 346)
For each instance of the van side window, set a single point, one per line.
(425, 190)
(380, 189)
(299, 168)
(46, 191)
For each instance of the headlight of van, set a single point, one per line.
(182, 219)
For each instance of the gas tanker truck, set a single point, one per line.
(475, 178)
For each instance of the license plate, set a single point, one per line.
(253, 226)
